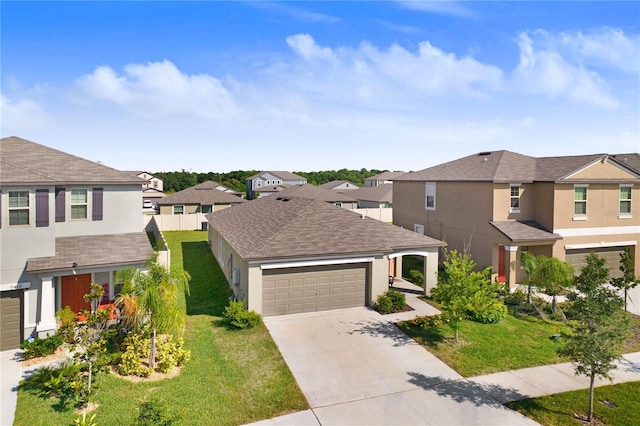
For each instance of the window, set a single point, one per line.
(580, 200)
(155, 183)
(419, 229)
(515, 198)
(258, 183)
(430, 196)
(337, 204)
(206, 208)
(178, 209)
(625, 200)
(79, 205)
(18, 207)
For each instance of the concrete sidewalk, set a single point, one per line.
(10, 374)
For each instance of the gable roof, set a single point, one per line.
(204, 193)
(26, 162)
(315, 193)
(385, 176)
(507, 166)
(334, 183)
(279, 227)
(378, 194)
(631, 160)
(284, 175)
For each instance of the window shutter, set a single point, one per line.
(0, 208)
(97, 204)
(60, 204)
(42, 207)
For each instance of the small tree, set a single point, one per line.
(529, 264)
(628, 279)
(599, 327)
(151, 298)
(554, 276)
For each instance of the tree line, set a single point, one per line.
(177, 181)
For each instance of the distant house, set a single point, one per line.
(500, 204)
(313, 192)
(152, 187)
(65, 222)
(270, 182)
(339, 185)
(286, 255)
(382, 178)
(205, 197)
(373, 197)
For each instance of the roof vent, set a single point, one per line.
(485, 153)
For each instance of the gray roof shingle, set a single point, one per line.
(505, 166)
(94, 251)
(204, 193)
(334, 183)
(523, 231)
(277, 227)
(378, 194)
(284, 175)
(26, 162)
(385, 176)
(316, 193)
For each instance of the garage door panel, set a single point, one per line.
(321, 288)
(611, 255)
(11, 320)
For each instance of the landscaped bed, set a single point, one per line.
(233, 376)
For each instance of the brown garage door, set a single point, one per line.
(315, 288)
(611, 255)
(11, 318)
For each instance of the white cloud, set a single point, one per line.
(305, 46)
(159, 89)
(609, 47)
(19, 115)
(440, 7)
(546, 71)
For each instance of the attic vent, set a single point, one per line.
(485, 153)
(285, 199)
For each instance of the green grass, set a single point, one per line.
(559, 409)
(233, 377)
(510, 344)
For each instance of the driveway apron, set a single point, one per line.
(356, 367)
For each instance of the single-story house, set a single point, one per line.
(205, 197)
(313, 192)
(286, 255)
(373, 197)
(339, 185)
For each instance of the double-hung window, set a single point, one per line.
(18, 208)
(515, 198)
(178, 209)
(580, 201)
(625, 200)
(79, 204)
(430, 196)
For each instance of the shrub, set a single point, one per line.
(384, 304)
(486, 309)
(131, 364)
(237, 315)
(416, 277)
(66, 324)
(171, 354)
(397, 299)
(155, 413)
(517, 298)
(41, 347)
(427, 321)
(389, 302)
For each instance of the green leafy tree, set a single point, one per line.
(553, 276)
(600, 326)
(628, 280)
(529, 264)
(151, 298)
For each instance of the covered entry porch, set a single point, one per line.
(429, 268)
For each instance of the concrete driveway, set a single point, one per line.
(355, 367)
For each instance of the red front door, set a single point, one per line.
(74, 287)
(502, 264)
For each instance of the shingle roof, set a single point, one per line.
(631, 160)
(385, 176)
(335, 183)
(26, 162)
(94, 251)
(523, 231)
(379, 194)
(204, 193)
(504, 166)
(284, 175)
(277, 228)
(316, 193)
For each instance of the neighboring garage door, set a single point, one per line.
(11, 319)
(611, 255)
(314, 288)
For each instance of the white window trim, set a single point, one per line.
(418, 228)
(426, 195)
(630, 214)
(71, 204)
(30, 219)
(173, 210)
(576, 216)
(511, 197)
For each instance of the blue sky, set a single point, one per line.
(303, 86)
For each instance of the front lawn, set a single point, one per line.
(559, 409)
(510, 344)
(233, 377)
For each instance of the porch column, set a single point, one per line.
(47, 323)
(512, 261)
(430, 271)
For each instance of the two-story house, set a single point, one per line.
(269, 182)
(152, 187)
(383, 178)
(206, 197)
(65, 222)
(496, 205)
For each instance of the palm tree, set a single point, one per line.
(529, 263)
(150, 297)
